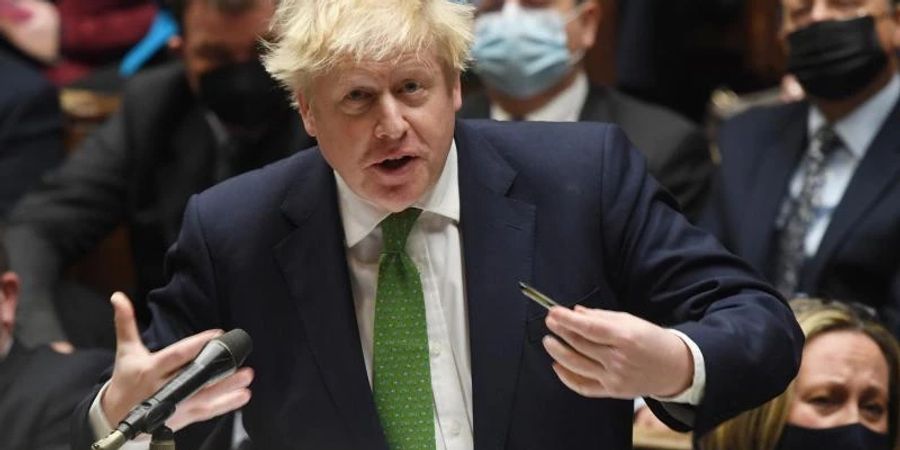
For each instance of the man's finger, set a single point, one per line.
(127, 334)
(238, 380)
(191, 411)
(182, 352)
(597, 326)
(588, 348)
(583, 386)
(572, 360)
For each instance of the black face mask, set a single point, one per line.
(243, 96)
(836, 59)
(855, 436)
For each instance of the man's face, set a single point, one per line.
(582, 18)
(799, 14)
(213, 38)
(385, 127)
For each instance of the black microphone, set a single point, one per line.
(218, 359)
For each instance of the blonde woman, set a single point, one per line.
(844, 397)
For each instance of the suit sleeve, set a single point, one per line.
(678, 276)
(67, 215)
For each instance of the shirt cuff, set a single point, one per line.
(101, 427)
(693, 394)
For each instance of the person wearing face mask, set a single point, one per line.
(182, 127)
(528, 54)
(845, 396)
(809, 192)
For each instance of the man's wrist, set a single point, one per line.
(694, 393)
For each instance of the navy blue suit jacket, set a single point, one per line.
(857, 259)
(566, 207)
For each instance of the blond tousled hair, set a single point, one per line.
(312, 37)
(761, 428)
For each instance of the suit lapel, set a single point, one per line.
(777, 164)
(497, 236)
(314, 263)
(879, 169)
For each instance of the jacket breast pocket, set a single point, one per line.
(536, 328)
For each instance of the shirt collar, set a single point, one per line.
(360, 217)
(559, 108)
(858, 129)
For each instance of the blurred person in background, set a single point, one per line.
(31, 137)
(809, 192)
(72, 38)
(845, 396)
(181, 128)
(529, 56)
(39, 387)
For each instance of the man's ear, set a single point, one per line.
(9, 286)
(309, 121)
(457, 93)
(589, 21)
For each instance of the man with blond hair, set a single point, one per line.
(379, 273)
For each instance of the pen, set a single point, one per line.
(537, 296)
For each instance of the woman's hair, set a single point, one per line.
(312, 37)
(760, 428)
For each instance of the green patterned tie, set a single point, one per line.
(402, 375)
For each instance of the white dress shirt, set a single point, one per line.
(434, 246)
(857, 131)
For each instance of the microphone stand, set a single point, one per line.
(163, 439)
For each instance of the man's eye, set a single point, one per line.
(410, 87)
(357, 96)
(822, 401)
(875, 409)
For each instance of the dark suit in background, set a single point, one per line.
(584, 223)
(677, 152)
(139, 169)
(858, 258)
(30, 128)
(39, 389)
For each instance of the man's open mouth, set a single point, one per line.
(395, 163)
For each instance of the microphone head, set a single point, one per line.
(238, 343)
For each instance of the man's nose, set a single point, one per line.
(821, 11)
(392, 125)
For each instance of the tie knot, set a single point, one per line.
(828, 140)
(395, 229)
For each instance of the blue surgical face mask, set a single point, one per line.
(855, 436)
(522, 52)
